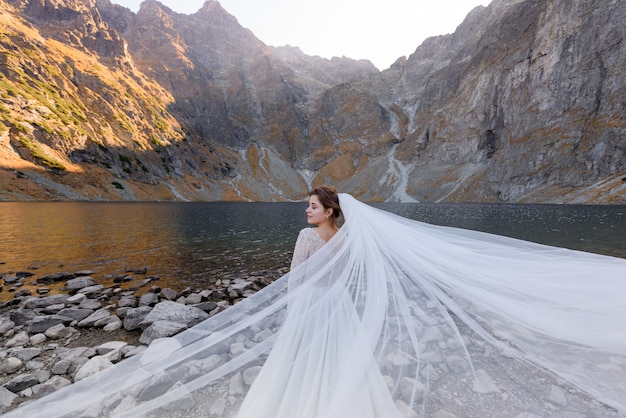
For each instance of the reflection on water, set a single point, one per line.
(193, 244)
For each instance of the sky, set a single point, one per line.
(378, 30)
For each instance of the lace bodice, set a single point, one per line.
(308, 242)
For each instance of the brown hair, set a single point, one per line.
(329, 199)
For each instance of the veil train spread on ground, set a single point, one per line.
(391, 318)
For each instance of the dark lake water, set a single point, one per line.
(194, 244)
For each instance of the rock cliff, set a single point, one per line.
(523, 103)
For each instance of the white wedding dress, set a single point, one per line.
(390, 318)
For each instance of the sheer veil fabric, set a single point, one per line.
(390, 318)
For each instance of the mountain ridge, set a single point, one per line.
(520, 104)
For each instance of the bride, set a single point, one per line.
(388, 317)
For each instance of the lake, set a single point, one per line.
(194, 244)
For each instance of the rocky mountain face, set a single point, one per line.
(523, 103)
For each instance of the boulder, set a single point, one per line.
(175, 312)
(10, 365)
(96, 316)
(6, 397)
(168, 294)
(42, 323)
(77, 314)
(76, 299)
(92, 366)
(134, 317)
(21, 382)
(21, 338)
(161, 329)
(22, 316)
(54, 278)
(34, 303)
(79, 283)
(5, 325)
(58, 331)
(92, 290)
(148, 299)
(26, 354)
(52, 385)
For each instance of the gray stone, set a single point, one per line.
(161, 329)
(148, 299)
(134, 351)
(113, 325)
(175, 312)
(10, 365)
(52, 309)
(57, 332)
(184, 399)
(42, 323)
(5, 325)
(121, 312)
(134, 317)
(90, 304)
(26, 354)
(206, 306)
(235, 385)
(37, 339)
(91, 319)
(110, 346)
(483, 383)
(127, 302)
(21, 382)
(158, 384)
(240, 287)
(10, 279)
(6, 397)
(62, 366)
(100, 323)
(21, 293)
(79, 283)
(22, 316)
(42, 375)
(193, 299)
(429, 373)
(92, 290)
(92, 366)
(168, 294)
(557, 396)
(250, 374)
(77, 314)
(457, 364)
(127, 404)
(52, 385)
(76, 299)
(218, 407)
(34, 303)
(56, 277)
(412, 390)
(20, 338)
(37, 365)
(77, 363)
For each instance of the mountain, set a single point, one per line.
(523, 103)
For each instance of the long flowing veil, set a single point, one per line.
(420, 319)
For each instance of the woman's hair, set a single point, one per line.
(329, 199)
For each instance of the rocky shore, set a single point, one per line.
(74, 327)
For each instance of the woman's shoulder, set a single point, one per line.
(307, 232)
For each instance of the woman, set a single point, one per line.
(309, 370)
(388, 317)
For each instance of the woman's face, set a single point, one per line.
(315, 212)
